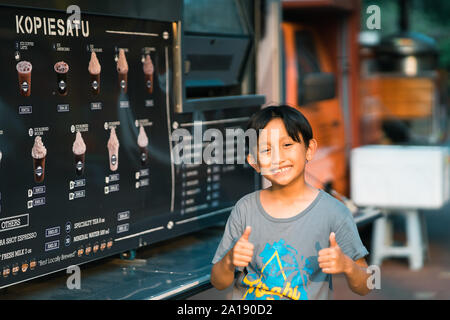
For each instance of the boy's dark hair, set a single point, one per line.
(294, 121)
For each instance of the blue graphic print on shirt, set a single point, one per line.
(280, 277)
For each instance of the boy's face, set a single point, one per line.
(280, 159)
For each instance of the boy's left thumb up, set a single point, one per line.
(333, 242)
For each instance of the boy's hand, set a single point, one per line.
(242, 252)
(332, 260)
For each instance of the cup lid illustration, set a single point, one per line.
(61, 67)
(79, 147)
(94, 65)
(148, 65)
(142, 138)
(113, 142)
(122, 64)
(39, 151)
(24, 67)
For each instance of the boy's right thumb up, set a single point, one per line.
(246, 233)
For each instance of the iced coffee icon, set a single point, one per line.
(33, 264)
(148, 72)
(142, 142)
(122, 69)
(79, 151)
(94, 71)
(24, 72)
(113, 150)
(62, 69)
(39, 152)
(24, 267)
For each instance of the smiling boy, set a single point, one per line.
(291, 237)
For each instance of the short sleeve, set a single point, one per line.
(232, 233)
(348, 239)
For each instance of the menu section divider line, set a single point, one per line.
(140, 233)
(172, 166)
(191, 124)
(204, 216)
(133, 33)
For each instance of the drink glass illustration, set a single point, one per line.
(148, 72)
(122, 69)
(39, 153)
(62, 68)
(94, 71)
(142, 142)
(79, 151)
(113, 150)
(24, 73)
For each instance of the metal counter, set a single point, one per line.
(174, 269)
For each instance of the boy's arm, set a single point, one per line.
(333, 261)
(222, 273)
(357, 276)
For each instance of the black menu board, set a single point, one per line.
(86, 123)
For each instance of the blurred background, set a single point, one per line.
(423, 26)
(372, 78)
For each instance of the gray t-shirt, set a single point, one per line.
(284, 263)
